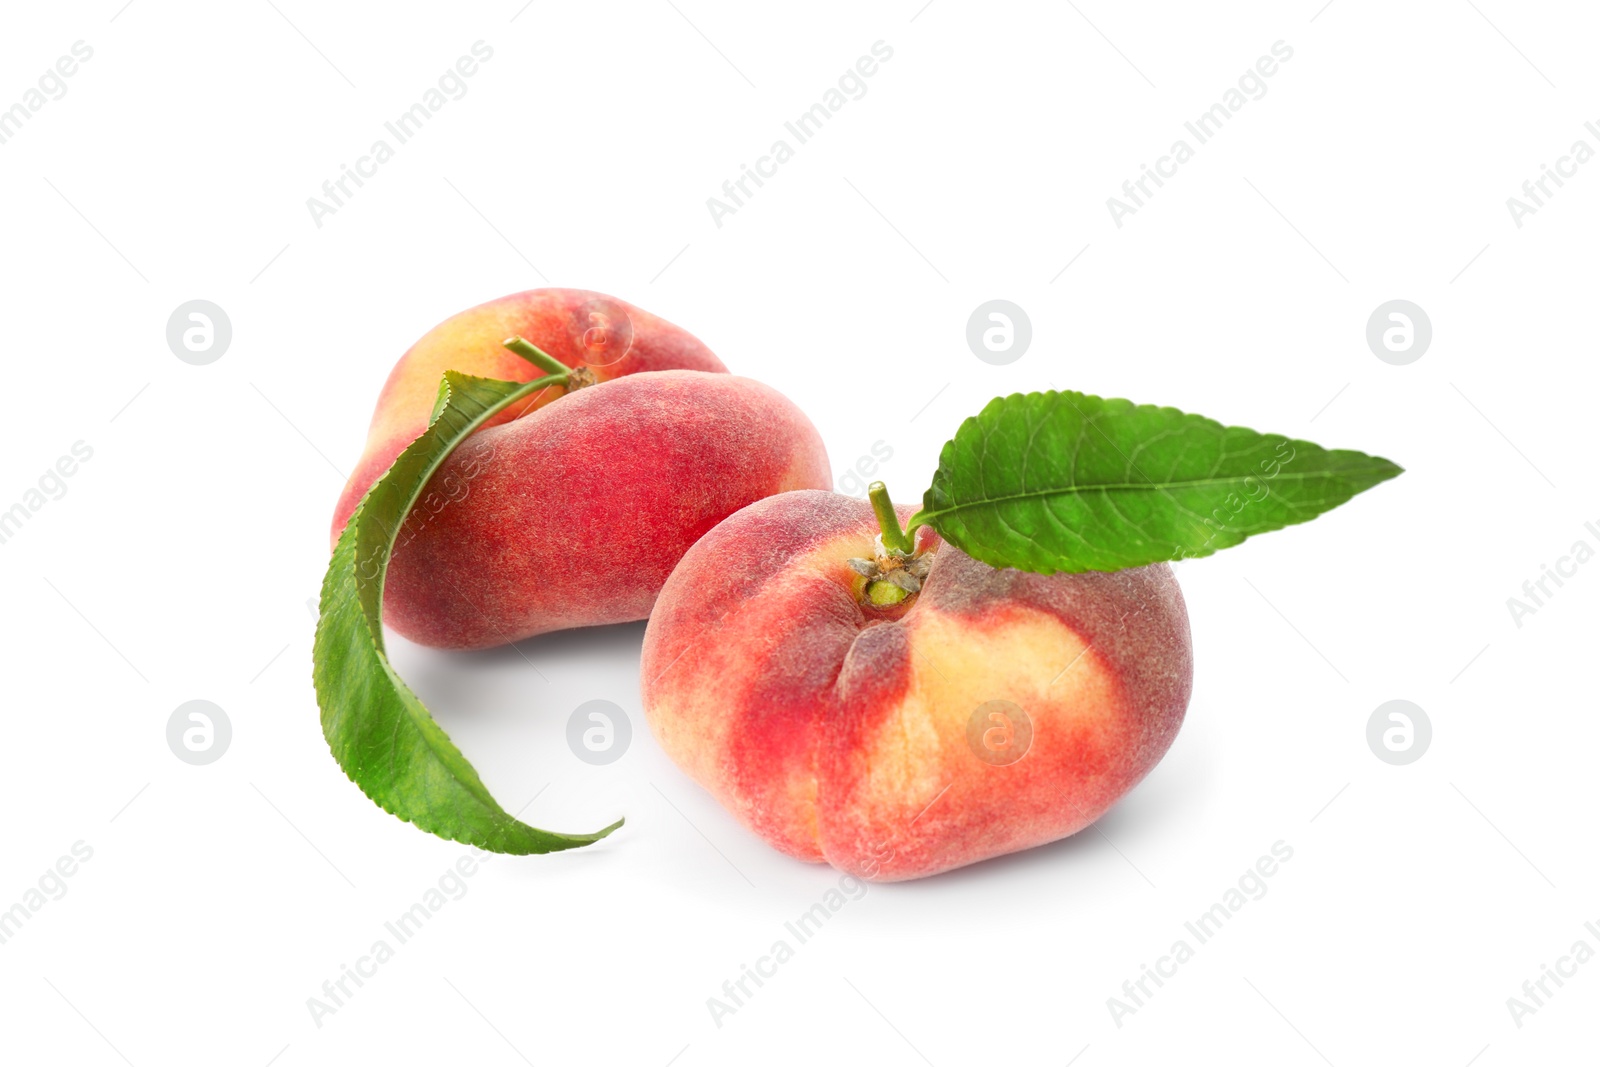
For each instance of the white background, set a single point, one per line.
(179, 563)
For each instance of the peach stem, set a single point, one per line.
(894, 538)
(539, 358)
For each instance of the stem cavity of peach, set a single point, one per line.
(884, 594)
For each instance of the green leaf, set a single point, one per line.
(1064, 481)
(378, 730)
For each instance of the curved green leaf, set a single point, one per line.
(1065, 481)
(378, 730)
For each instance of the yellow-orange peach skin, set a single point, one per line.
(839, 732)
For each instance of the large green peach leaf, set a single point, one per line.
(377, 729)
(1064, 481)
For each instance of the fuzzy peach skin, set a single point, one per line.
(609, 336)
(839, 732)
(574, 514)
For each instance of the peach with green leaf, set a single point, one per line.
(516, 533)
(560, 492)
(899, 702)
(605, 337)
(897, 692)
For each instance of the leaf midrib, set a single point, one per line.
(924, 515)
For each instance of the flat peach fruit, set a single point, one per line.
(608, 337)
(571, 509)
(897, 727)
